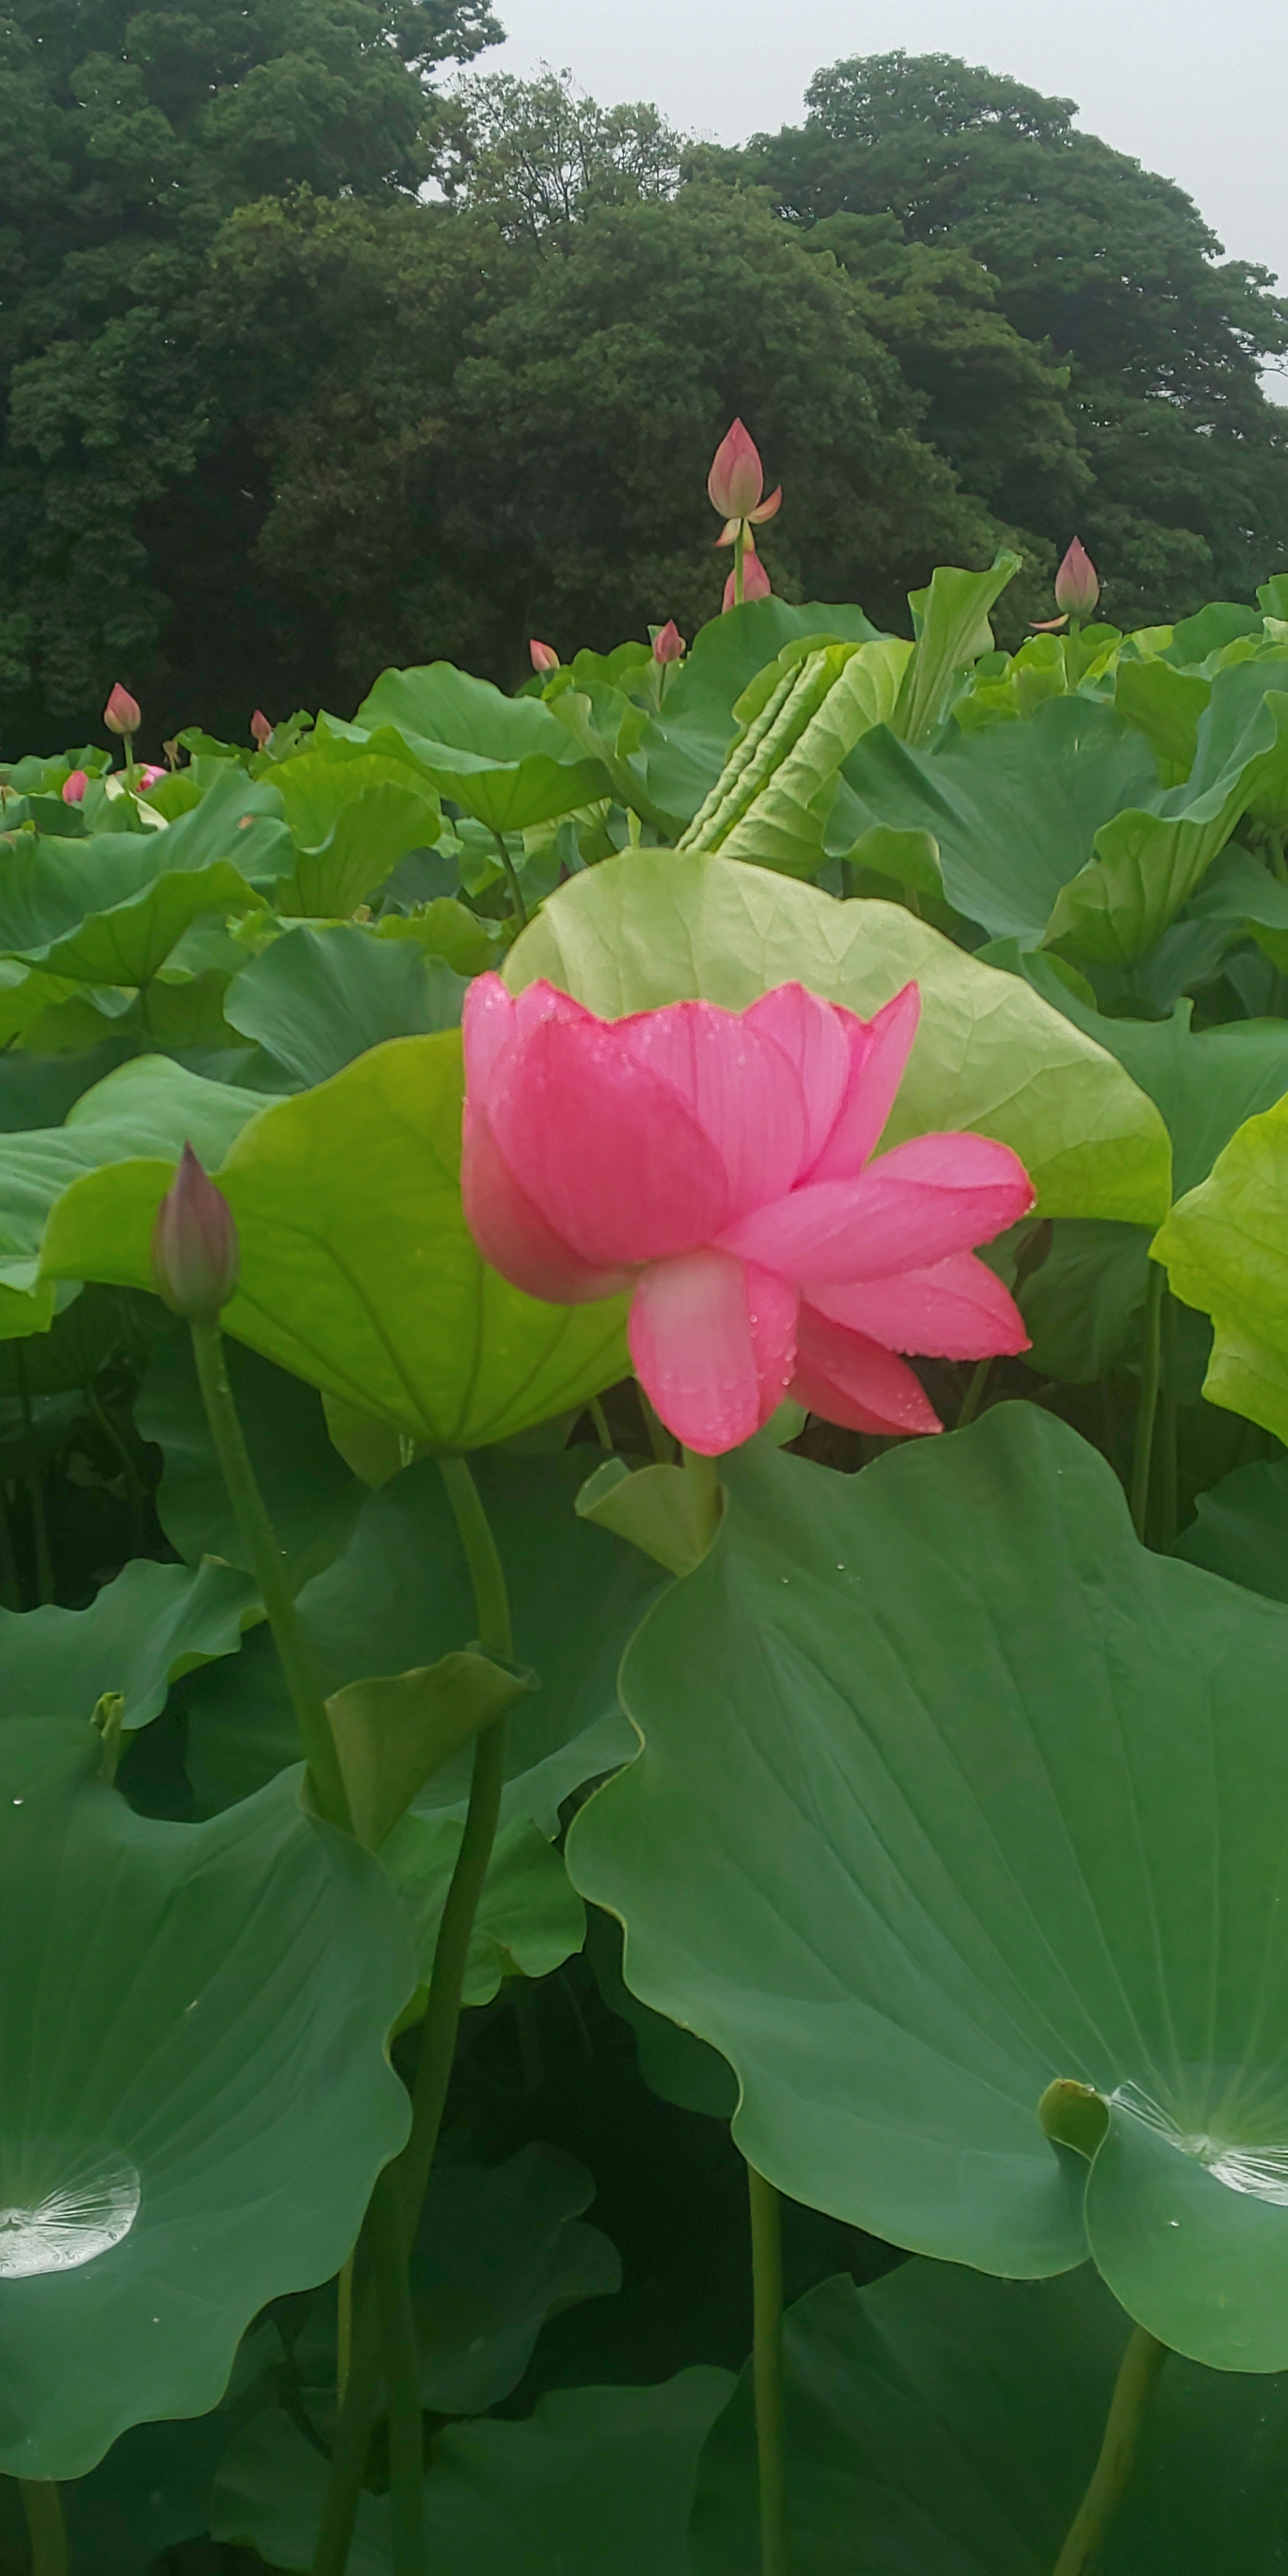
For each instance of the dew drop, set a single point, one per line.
(17, 1802)
(67, 2224)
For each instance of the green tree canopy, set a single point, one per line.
(1101, 265)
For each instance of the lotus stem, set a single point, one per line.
(46, 2528)
(516, 892)
(1147, 1409)
(269, 1566)
(971, 1400)
(739, 553)
(1128, 2407)
(402, 2377)
(767, 2370)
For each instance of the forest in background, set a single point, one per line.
(322, 348)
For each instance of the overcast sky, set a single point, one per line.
(1195, 90)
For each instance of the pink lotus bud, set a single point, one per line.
(756, 583)
(1049, 625)
(195, 1254)
(260, 729)
(1076, 586)
(74, 787)
(150, 775)
(668, 643)
(716, 1167)
(737, 477)
(544, 656)
(121, 714)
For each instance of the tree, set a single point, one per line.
(126, 139)
(533, 154)
(1094, 261)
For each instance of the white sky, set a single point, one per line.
(1194, 90)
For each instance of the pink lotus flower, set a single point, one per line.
(736, 481)
(195, 1252)
(668, 643)
(1076, 586)
(150, 775)
(73, 787)
(718, 1165)
(756, 583)
(122, 713)
(544, 656)
(261, 731)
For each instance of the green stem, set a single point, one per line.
(767, 2370)
(600, 1419)
(971, 1399)
(739, 553)
(438, 2031)
(270, 1572)
(660, 1441)
(1170, 1500)
(1135, 2385)
(35, 1488)
(343, 2329)
(1147, 1408)
(704, 1484)
(10, 1588)
(516, 891)
(402, 2379)
(43, 2506)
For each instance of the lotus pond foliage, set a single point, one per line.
(644, 1607)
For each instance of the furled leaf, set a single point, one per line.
(950, 1790)
(650, 927)
(685, 746)
(358, 1271)
(596, 2479)
(940, 2424)
(206, 2131)
(141, 1632)
(772, 802)
(952, 630)
(395, 1731)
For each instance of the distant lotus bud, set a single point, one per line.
(737, 477)
(121, 714)
(1076, 586)
(260, 729)
(668, 643)
(195, 1255)
(756, 583)
(75, 786)
(150, 775)
(544, 656)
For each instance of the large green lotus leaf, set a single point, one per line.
(1225, 1247)
(950, 1790)
(499, 2249)
(358, 1271)
(196, 2095)
(1241, 1528)
(1015, 808)
(1148, 864)
(673, 2062)
(650, 927)
(352, 820)
(314, 1000)
(149, 1106)
(24, 994)
(941, 2424)
(507, 761)
(400, 1597)
(312, 1496)
(1165, 705)
(141, 1633)
(686, 745)
(952, 629)
(597, 2479)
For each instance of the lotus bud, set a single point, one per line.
(1076, 586)
(150, 775)
(261, 730)
(544, 656)
(737, 477)
(73, 789)
(122, 713)
(756, 583)
(195, 1253)
(668, 643)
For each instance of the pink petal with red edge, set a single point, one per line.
(812, 1036)
(513, 1235)
(936, 1195)
(879, 1052)
(730, 1077)
(853, 1381)
(617, 1165)
(956, 1310)
(768, 508)
(713, 1345)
